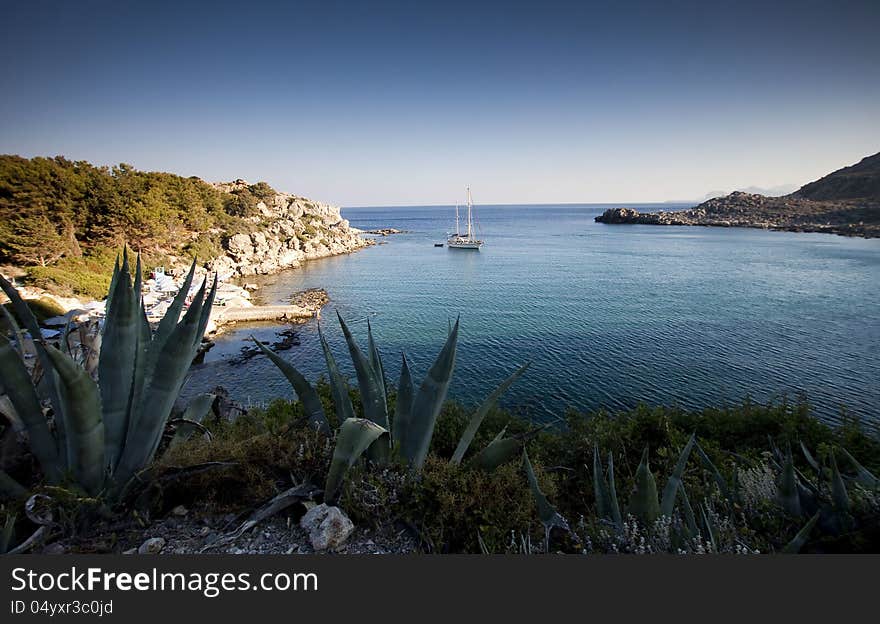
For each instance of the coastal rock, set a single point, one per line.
(845, 202)
(328, 526)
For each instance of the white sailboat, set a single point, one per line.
(467, 240)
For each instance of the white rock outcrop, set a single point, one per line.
(288, 230)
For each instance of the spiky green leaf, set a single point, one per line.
(795, 545)
(550, 518)
(371, 386)
(723, 487)
(863, 476)
(476, 420)
(667, 504)
(643, 501)
(84, 425)
(600, 486)
(198, 408)
(787, 487)
(838, 489)
(428, 402)
(338, 387)
(616, 516)
(304, 390)
(405, 395)
(116, 363)
(355, 436)
(16, 382)
(497, 453)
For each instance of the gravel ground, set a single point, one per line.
(183, 534)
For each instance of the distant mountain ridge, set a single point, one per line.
(859, 181)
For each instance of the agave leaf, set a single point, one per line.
(643, 501)
(207, 308)
(172, 315)
(863, 476)
(141, 362)
(355, 436)
(85, 428)
(428, 402)
(27, 318)
(689, 518)
(795, 545)
(476, 420)
(371, 386)
(838, 489)
(716, 475)
(403, 410)
(550, 518)
(304, 390)
(338, 387)
(17, 384)
(600, 487)
(787, 487)
(498, 452)
(112, 289)
(671, 490)
(810, 459)
(160, 393)
(195, 412)
(777, 454)
(616, 516)
(116, 363)
(376, 360)
(711, 529)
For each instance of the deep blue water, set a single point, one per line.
(608, 315)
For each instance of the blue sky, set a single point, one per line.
(406, 103)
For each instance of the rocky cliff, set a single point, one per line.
(286, 231)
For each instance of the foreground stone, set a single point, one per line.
(328, 527)
(152, 546)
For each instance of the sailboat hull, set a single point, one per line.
(464, 244)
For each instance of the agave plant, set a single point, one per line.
(105, 432)
(408, 434)
(826, 499)
(645, 503)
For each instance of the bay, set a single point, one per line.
(609, 315)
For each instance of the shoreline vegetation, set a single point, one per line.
(845, 202)
(62, 223)
(374, 465)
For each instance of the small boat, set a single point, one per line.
(438, 244)
(467, 240)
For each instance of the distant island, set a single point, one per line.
(845, 202)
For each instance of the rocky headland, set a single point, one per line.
(287, 230)
(845, 202)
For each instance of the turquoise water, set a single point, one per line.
(608, 315)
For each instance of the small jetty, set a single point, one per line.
(232, 314)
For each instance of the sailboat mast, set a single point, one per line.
(469, 212)
(457, 227)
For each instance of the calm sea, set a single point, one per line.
(608, 315)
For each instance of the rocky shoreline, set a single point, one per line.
(748, 210)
